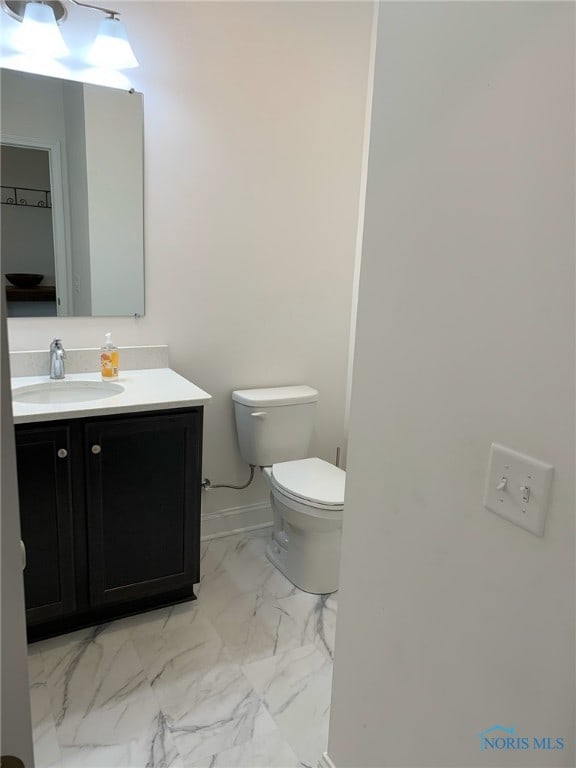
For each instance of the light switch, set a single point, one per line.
(518, 487)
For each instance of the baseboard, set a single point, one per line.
(325, 762)
(225, 522)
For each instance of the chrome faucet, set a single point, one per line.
(57, 357)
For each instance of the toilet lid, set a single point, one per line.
(312, 480)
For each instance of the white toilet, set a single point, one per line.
(274, 429)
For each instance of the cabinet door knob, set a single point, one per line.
(62, 453)
(96, 449)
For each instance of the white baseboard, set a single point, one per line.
(325, 762)
(225, 522)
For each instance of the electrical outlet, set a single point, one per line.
(518, 487)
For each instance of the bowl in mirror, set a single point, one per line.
(24, 279)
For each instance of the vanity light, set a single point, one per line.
(39, 32)
(111, 49)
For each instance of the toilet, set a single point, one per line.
(274, 427)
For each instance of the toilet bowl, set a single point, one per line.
(307, 498)
(274, 427)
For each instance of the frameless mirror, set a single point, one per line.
(71, 170)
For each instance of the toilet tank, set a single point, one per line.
(274, 424)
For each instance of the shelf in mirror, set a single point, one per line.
(39, 293)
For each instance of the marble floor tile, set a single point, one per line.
(209, 704)
(296, 687)
(161, 621)
(102, 702)
(47, 752)
(255, 609)
(224, 712)
(154, 750)
(253, 627)
(315, 615)
(240, 562)
(270, 751)
(239, 678)
(175, 661)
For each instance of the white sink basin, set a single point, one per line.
(66, 391)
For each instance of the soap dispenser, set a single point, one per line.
(109, 359)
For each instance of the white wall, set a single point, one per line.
(450, 619)
(254, 118)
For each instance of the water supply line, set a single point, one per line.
(207, 485)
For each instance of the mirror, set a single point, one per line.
(72, 198)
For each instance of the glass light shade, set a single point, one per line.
(39, 33)
(111, 49)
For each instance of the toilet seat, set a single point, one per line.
(312, 482)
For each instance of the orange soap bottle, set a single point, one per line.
(109, 359)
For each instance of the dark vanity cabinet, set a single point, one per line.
(110, 515)
(45, 490)
(142, 479)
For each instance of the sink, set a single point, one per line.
(66, 391)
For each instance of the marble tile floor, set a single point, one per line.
(240, 678)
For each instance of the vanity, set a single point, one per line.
(109, 495)
(109, 480)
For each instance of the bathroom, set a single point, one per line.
(254, 169)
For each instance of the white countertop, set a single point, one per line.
(154, 389)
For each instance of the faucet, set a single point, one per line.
(57, 357)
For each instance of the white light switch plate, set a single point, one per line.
(518, 487)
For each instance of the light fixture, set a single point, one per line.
(111, 49)
(39, 32)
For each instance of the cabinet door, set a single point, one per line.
(45, 491)
(143, 497)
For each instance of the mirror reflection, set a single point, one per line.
(72, 198)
